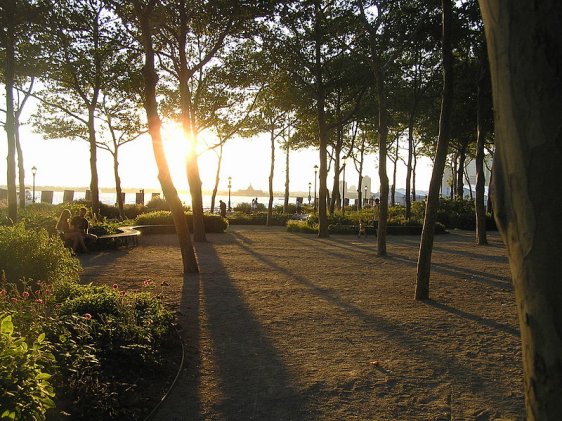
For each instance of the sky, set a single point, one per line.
(63, 162)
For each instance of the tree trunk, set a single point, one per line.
(460, 174)
(154, 125)
(525, 50)
(483, 83)
(21, 168)
(287, 178)
(426, 246)
(188, 125)
(94, 188)
(383, 134)
(322, 129)
(269, 220)
(395, 167)
(408, 198)
(217, 180)
(335, 199)
(118, 189)
(10, 125)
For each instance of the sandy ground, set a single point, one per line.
(281, 326)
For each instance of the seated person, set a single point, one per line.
(80, 223)
(68, 233)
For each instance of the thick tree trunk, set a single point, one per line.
(269, 220)
(426, 246)
(10, 125)
(483, 83)
(194, 181)
(217, 180)
(322, 129)
(154, 124)
(525, 51)
(383, 135)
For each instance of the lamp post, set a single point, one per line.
(315, 172)
(343, 189)
(229, 187)
(309, 186)
(365, 198)
(33, 171)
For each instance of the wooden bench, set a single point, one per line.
(126, 236)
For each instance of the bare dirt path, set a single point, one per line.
(281, 326)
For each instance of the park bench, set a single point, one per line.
(127, 236)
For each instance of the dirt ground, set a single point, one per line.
(282, 326)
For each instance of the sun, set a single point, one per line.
(178, 148)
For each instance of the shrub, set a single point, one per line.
(24, 381)
(213, 223)
(301, 226)
(35, 255)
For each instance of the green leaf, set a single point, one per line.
(43, 376)
(7, 326)
(41, 338)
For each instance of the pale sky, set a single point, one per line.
(247, 161)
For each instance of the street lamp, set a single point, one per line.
(343, 189)
(365, 198)
(309, 186)
(229, 187)
(315, 172)
(33, 171)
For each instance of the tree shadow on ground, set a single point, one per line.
(402, 336)
(233, 371)
(478, 319)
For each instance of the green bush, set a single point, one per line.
(257, 218)
(35, 255)
(26, 390)
(213, 223)
(301, 226)
(93, 333)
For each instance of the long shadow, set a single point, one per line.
(403, 338)
(330, 243)
(497, 281)
(229, 357)
(481, 320)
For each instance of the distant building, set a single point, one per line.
(470, 178)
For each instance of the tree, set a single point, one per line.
(122, 125)
(426, 246)
(142, 18)
(525, 50)
(81, 43)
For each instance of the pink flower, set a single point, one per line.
(87, 316)
(146, 283)
(39, 301)
(3, 292)
(25, 294)
(14, 300)
(115, 286)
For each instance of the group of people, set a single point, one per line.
(75, 229)
(254, 205)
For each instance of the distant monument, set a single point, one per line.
(250, 191)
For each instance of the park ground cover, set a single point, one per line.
(289, 326)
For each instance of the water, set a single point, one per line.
(130, 198)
